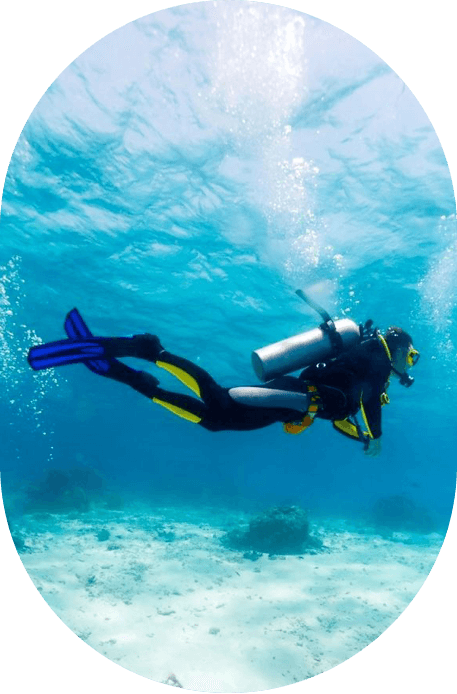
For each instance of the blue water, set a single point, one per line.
(184, 176)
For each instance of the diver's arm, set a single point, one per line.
(371, 413)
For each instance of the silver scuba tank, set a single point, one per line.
(310, 347)
(301, 350)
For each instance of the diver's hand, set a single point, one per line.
(374, 448)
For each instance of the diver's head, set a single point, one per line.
(403, 354)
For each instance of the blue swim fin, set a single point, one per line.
(97, 353)
(76, 328)
(63, 352)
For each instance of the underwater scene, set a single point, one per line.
(213, 180)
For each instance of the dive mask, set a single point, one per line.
(412, 357)
(411, 360)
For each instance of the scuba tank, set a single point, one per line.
(296, 352)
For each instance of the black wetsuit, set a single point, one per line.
(342, 383)
(354, 380)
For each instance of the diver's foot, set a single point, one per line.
(145, 383)
(142, 381)
(144, 346)
(147, 346)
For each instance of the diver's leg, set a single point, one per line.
(144, 346)
(148, 347)
(225, 414)
(142, 381)
(193, 376)
(220, 409)
(262, 396)
(145, 383)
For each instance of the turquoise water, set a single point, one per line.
(184, 176)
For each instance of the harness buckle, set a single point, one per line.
(308, 419)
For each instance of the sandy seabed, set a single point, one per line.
(157, 592)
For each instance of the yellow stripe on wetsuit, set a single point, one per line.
(178, 411)
(188, 381)
(181, 375)
(362, 409)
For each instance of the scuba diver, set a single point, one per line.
(346, 369)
